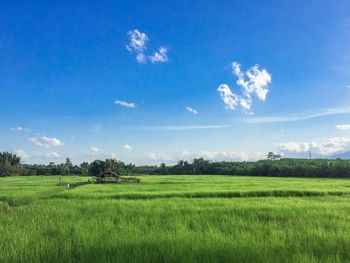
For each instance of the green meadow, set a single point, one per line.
(175, 219)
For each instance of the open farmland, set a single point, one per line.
(175, 218)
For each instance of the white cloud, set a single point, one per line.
(192, 110)
(140, 58)
(94, 149)
(331, 146)
(45, 141)
(158, 157)
(192, 127)
(137, 40)
(291, 118)
(229, 156)
(343, 127)
(113, 155)
(137, 44)
(297, 147)
(127, 147)
(160, 55)
(254, 81)
(126, 104)
(229, 98)
(21, 153)
(18, 128)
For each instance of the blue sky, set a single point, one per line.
(140, 81)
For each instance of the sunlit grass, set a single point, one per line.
(175, 219)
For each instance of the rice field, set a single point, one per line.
(175, 219)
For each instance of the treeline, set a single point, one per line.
(280, 168)
(10, 164)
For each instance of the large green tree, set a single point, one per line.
(10, 164)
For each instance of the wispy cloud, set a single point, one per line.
(301, 117)
(45, 141)
(138, 44)
(253, 82)
(159, 56)
(94, 149)
(228, 97)
(18, 128)
(190, 127)
(192, 110)
(126, 104)
(127, 147)
(343, 127)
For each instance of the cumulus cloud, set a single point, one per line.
(192, 110)
(45, 141)
(331, 146)
(130, 105)
(18, 128)
(343, 127)
(160, 55)
(127, 147)
(253, 82)
(138, 45)
(21, 153)
(297, 147)
(228, 97)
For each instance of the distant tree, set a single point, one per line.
(115, 166)
(97, 167)
(84, 168)
(130, 168)
(10, 164)
(200, 166)
(68, 165)
(163, 169)
(273, 157)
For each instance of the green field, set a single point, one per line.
(175, 219)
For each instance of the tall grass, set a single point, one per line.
(104, 223)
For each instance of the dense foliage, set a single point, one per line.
(282, 167)
(10, 164)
